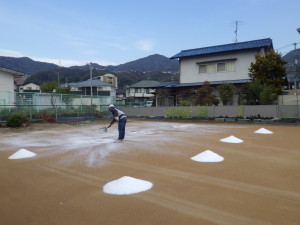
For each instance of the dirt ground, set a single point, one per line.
(258, 183)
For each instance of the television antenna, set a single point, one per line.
(236, 24)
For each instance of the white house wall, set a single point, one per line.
(111, 89)
(30, 87)
(189, 69)
(141, 94)
(7, 96)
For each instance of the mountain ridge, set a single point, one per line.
(154, 62)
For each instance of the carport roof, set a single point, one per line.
(177, 84)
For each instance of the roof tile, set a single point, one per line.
(225, 48)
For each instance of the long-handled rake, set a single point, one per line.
(102, 130)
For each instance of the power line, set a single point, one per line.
(286, 46)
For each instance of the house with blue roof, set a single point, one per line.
(219, 64)
(293, 69)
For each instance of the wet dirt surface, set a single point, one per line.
(257, 183)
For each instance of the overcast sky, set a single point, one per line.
(113, 32)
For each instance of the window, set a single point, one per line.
(230, 66)
(211, 68)
(221, 67)
(217, 66)
(207, 68)
(202, 68)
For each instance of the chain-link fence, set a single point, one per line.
(40, 106)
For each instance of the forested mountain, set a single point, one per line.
(25, 65)
(67, 75)
(150, 63)
(154, 67)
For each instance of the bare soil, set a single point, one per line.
(258, 183)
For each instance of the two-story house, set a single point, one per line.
(31, 87)
(98, 88)
(7, 86)
(140, 92)
(219, 64)
(293, 70)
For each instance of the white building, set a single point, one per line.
(228, 62)
(7, 94)
(141, 92)
(219, 64)
(31, 87)
(103, 90)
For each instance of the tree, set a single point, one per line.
(269, 69)
(205, 96)
(251, 93)
(66, 96)
(226, 92)
(161, 95)
(267, 96)
(255, 93)
(49, 86)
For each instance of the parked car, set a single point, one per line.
(148, 103)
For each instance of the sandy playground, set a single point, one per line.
(254, 181)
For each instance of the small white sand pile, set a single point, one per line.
(208, 156)
(263, 131)
(126, 185)
(22, 153)
(232, 139)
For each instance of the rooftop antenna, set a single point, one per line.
(236, 23)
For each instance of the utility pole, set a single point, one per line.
(58, 74)
(295, 66)
(91, 77)
(295, 77)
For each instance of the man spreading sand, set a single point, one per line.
(119, 116)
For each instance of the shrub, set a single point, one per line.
(203, 112)
(185, 103)
(17, 120)
(179, 112)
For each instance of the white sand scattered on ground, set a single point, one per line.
(263, 131)
(22, 153)
(208, 156)
(126, 185)
(232, 139)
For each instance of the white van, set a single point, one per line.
(148, 103)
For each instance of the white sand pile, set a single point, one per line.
(232, 139)
(263, 131)
(22, 153)
(126, 185)
(208, 156)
